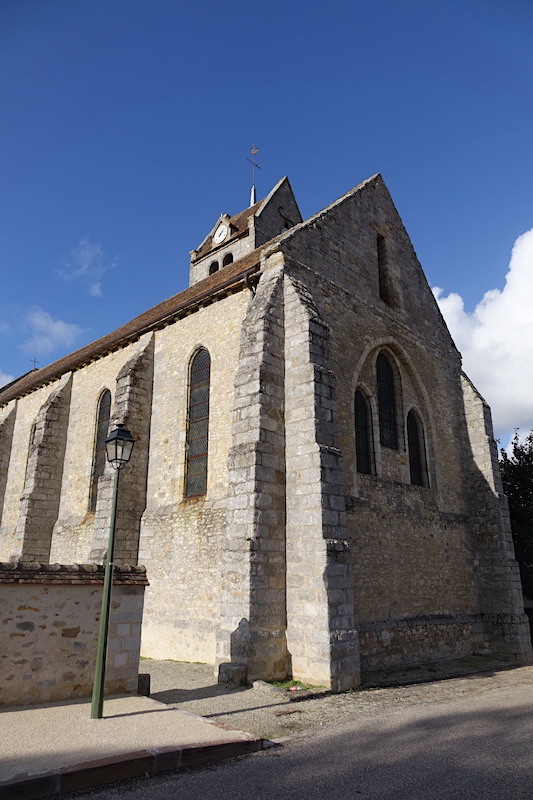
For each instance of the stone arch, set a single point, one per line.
(404, 363)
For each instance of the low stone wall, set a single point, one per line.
(49, 619)
(390, 643)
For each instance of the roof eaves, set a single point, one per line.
(154, 318)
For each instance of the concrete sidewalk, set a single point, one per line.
(56, 748)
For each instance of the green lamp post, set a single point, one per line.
(119, 445)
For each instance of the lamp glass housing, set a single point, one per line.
(119, 445)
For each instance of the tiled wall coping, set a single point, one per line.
(35, 572)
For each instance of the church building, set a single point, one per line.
(314, 489)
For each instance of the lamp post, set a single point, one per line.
(119, 445)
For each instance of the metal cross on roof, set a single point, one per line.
(254, 151)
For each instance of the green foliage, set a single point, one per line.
(517, 477)
(289, 684)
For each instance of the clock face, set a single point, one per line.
(220, 233)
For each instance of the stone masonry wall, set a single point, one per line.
(182, 538)
(44, 470)
(412, 547)
(252, 612)
(73, 535)
(133, 409)
(498, 578)
(27, 409)
(49, 631)
(7, 425)
(321, 633)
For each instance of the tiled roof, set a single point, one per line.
(238, 224)
(209, 287)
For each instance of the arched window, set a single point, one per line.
(198, 425)
(213, 267)
(364, 444)
(102, 429)
(388, 431)
(417, 450)
(228, 259)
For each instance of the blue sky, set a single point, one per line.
(127, 125)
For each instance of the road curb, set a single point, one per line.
(142, 763)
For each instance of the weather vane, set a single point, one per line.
(254, 151)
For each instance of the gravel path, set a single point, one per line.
(274, 714)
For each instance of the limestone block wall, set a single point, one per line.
(44, 470)
(500, 596)
(279, 212)
(133, 409)
(182, 539)
(252, 613)
(321, 633)
(73, 533)
(28, 409)
(49, 631)
(413, 550)
(7, 424)
(238, 248)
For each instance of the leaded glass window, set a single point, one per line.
(198, 425)
(364, 450)
(102, 429)
(388, 429)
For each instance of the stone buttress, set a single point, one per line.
(44, 471)
(7, 425)
(321, 633)
(252, 614)
(498, 584)
(132, 408)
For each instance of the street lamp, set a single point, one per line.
(118, 445)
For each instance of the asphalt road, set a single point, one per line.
(465, 747)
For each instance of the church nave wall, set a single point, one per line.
(183, 538)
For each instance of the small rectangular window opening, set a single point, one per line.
(383, 272)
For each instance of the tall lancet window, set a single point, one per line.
(417, 450)
(364, 450)
(198, 425)
(388, 428)
(102, 429)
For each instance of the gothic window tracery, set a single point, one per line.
(198, 424)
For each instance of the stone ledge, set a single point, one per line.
(35, 572)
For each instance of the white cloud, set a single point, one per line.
(88, 264)
(496, 341)
(47, 334)
(4, 378)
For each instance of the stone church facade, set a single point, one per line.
(314, 489)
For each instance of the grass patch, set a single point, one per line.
(292, 685)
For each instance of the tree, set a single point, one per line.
(517, 477)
